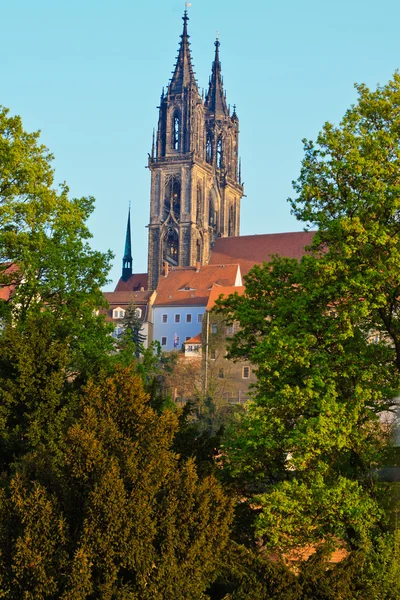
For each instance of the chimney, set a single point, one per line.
(142, 289)
(197, 267)
(166, 269)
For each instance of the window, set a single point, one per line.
(213, 354)
(189, 348)
(200, 318)
(229, 330)
(163, 341)
(221, 374)
(177, 318)
(188, 318)
(214, 328)
(219, 154)
(118, 331)
(165, 319)
(138, 313)
(245, 372)
(118, 313)
(175, 131)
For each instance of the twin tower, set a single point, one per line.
(195, 173)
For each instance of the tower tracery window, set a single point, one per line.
(171, 247)
(176, 130)
(199, 204)
(198, 251)
(219, 153)
(209, 152)
(172, 198)
(231, 224)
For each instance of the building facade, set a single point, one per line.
(194, 163)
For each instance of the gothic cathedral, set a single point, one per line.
(195, 173)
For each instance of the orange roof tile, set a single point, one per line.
(218, 290)
(186, 286)
(248, 250)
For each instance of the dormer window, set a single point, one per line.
(118, 313)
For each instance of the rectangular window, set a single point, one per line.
(213, 354)
(188, 318)
(165, 318)
(200, 318)
(177, 318)
(163, 341)
(229, 330)
(245, 372)
(213, 328)
(221, 374)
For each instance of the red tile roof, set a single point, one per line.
(121, 298)
(184, 286)
(7, 276)
(248, 250)
(194, 340)
(217, 290)
(134, 283)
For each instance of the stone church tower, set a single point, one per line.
(195, 175)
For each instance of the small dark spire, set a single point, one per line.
(216, 100)
(234, 116)
(183, 74)
(127, 259)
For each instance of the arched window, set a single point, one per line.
(211, 212)
(199, 204)
(209, 152)
(219, 153)
(171, 247)
(176, 131)
(173, 198)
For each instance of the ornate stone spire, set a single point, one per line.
(183, 75)
(215, 100)
(127, 259)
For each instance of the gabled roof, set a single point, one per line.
(248, 250)
(171, 289)
(194, 340)
(133, 284)
(218, 290)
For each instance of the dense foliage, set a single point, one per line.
(324, 337)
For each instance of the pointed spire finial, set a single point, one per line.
(216, 100)
(183, 74)
(127, 258)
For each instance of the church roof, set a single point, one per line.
(248, 250)
(188, 286)
(135, 283)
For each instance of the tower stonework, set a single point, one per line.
(195, 180)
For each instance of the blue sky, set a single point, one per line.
(89, 74)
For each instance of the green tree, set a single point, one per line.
(43, 235)
(133, 326)
(308, 447)
(110, 512)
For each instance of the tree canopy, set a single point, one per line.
(323, 335)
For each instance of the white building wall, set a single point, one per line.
(165, 332)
